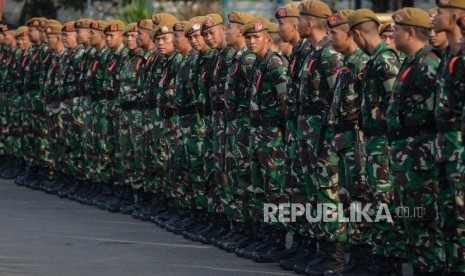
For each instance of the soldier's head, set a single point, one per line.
(69, 35)
(437, 40)
(275, 39)
(145, 33)
(96, 35)
(214, 31)
(2, 34)
(411, 29)
(22, 38)
(312, 18)
(114, 34)
(180, 41)
(43, 35)
(288, 20)
(237, 20)
(164, 37)
(364, 25)
(157, 18)
(257, 37)
(83, 31)
(386, 31)
(130, 37)
(286, 48)
(54, 36)
(339, 31)
(33, 25)
(194, 36)
(8, 32)
(448, 13)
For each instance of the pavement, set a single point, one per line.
(42, 234)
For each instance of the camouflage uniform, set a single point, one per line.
(378, 80)
(318, 157)
(237, 130)
(412, 131)
(295, 184)
(268, 83)
(189, 133)
(448, 151)
(348, 140)
(216, 96)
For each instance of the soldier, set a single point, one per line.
(276, 41)
(130, 118)
(448, 147)
(237, 129)
(171, 160)
(378, 79)
(348, 139)
(288, 20)
(318, 156)
(267, 110)
(437, 40)
(213, 32)
(411, 132)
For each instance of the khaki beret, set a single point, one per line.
(361, 16)
(43, 21)
(459, 4)
(21, 31)
(98, 25)
(461, 22)
(165, 27)
(239, 17)
(256, 25)
(52, 21)
(193, 25)
(114, 26)
(3, 28)
(162, 17)
(315, 8)
(386, 27)
(414, 17)
(83, 23)
(7, 27)
(34, 22)
(273, 28)
(68, 27)
(211, 20)
(432, 12)
(131, 27)
(145, 24)
(180, 26)
(53, 28)
(289, 10)
(338, 18)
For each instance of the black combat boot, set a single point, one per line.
(289, 252)
(333, 259)
(360, 262)
(277, 245)
(307, 251)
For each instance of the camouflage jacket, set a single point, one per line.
(52, 77)
(217, 90)
(298, 56)
(378, 80)
(203, 77)
(130, 89)
(10, 63)
(96, 74)
(449, 103)
(237, 96)
(409, 116)
(152, 74)
(345, 107)
(85, 77)
(167, 82)
(184, 91)
(269, 81)
(70, 72)
(318, 77)
(111, 79)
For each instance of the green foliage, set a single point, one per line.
(135, 10)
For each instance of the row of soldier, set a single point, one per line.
(196, 124)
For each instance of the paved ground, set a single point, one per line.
(41, 234)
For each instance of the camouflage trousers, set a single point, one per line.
(386, 237)
(353, 191)
(237, 169)
(267, 170)
(153, 159)
(452, 212)
(131, 147)
(295, 186)
(211, 187)
(74, 118)
(55, 135)
(418, 208)
(90, 144)
(5, 123)
(219, 142)
(319, 163)
(39, 155)
(172, 158)
(13, 139)
(191, 137)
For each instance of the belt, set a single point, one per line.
(268, 122)
(230, 116)
(443, 127)
(378, 130)
(410, 131)
(217, 106)
(167, 113)
(133, 105)
(189, 110)
(344, 127)
(97, 98)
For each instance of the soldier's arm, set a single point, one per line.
(387, 68)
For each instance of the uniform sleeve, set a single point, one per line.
(331, 62)
(387, 67)
(279, 75)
